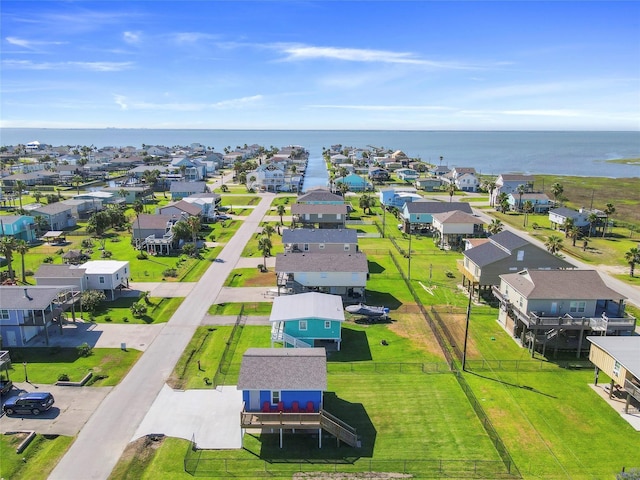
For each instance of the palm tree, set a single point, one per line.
(37, 195)
(281, 211)
(268, 230)
(573, 233)
(632, 257)
(496, 226)
(553, 244)
(503, 202)
(521, 191)
(451, 188)
(609, 210)
(76, 180)
(366, 202)
(557, 190)
(265, 245)
(569, 223)
(7, 247)
(527, 208)
(138, 207)
(490, 185)
(123, 193)
(193, 224)
(20, 185)
(22, 248)
(593, 223)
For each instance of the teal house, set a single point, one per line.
(356, 183)
(307, 320)
(20, 227)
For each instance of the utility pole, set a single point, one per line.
(466, 329)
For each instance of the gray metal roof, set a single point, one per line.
(307, 305)
(59, 271)
(626, 350)
(148, 221)
(30, 298)
(565, 212)
(283, 369)
(437, 207)
(322, 235)
(456, 216)
(196, 187)
(561, 285)
(321, 262)
(320, 195)
(328, 208)
(509, 240)
(53, 208)
(485, 254)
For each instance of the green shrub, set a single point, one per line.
(84, 350)
(170, 272)
(63, 377)
(142, 255)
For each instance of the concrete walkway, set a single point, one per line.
(114, 423)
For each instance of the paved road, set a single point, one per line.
(107, 433)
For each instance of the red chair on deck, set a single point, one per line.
(280, 406)
(266, 408)
(310, 408)
(295, 407)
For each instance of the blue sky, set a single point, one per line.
(423, 65)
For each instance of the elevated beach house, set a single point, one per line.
(559, 308)
(325, 240)
(107, 275)
(416, 215)
(20, 227)
(307, 320)
(317, 215)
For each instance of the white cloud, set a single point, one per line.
(385, 108)
(90, 66)
(235, 103)
(30, 44)
(121, 101)
(131, 37)
(191, 37)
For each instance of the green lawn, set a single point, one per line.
(160, 310)
(251, 277)
(45, 365)
(259, 309)
(37, 461)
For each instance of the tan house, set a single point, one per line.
(619, 359)
(317, 215)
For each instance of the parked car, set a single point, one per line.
(223, 216)
(29, 402)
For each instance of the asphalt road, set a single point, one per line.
(104, 437)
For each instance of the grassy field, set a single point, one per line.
(34, 462)
(45, 365)
(159, 310)
(250, 277)
(233, 309)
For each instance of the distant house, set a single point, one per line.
(326, 240)
(467, 182)
(208, 202)
(509, 183)
(378, 174)
(354, 182)
(57, 215)
(307, 320)
(505, 252)
(181, 208)
(82, 208)
(559, 216)
(20, 227)
(131, 193)
(420, 214)
(618, 358)
(30, 179)
(269, 177)
(397, 197)
(320, 196)
(153, 233)
(558, 308)
(192, 170)
(319, 215)
(428, 184)
(336, 273)
(540, 201)
(407, 174)
(107, 275)
(28, 311)
(453, 227)
(179, 190)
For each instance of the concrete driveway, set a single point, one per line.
(72, 408)
(212, 416)
(162, 289)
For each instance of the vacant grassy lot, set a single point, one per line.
(45, 365)
(37, 461)
(159, 310)
(249, 308)
(250, 277)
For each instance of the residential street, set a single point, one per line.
(107, 433)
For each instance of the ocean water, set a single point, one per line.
(490, 152)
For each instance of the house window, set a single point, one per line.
(616, 368)
(323, 274)
(577, 307)
(520, 255)
(275, 397)
(327, 324)
(302, 326)
(101, 279)
(4, 314)
(306, 247)
(339, 216)
(117, 276)
(346, 247)
(321, 246)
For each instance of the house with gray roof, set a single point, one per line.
(453, 227)
(179, 208)
(342, 274)
(307, 320)
(559, 308)
(509, 183)
(505, 252)
(320, 196)
(324, 240)
(618, 358)
(26, 312)
(54, 275)
(319, 215)
(154, 233)
(57, 215)
(559, 216)
(20, 227)
(180, 190)
(419, 214)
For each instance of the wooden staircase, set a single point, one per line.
(342, 431)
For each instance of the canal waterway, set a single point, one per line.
(316, 174)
